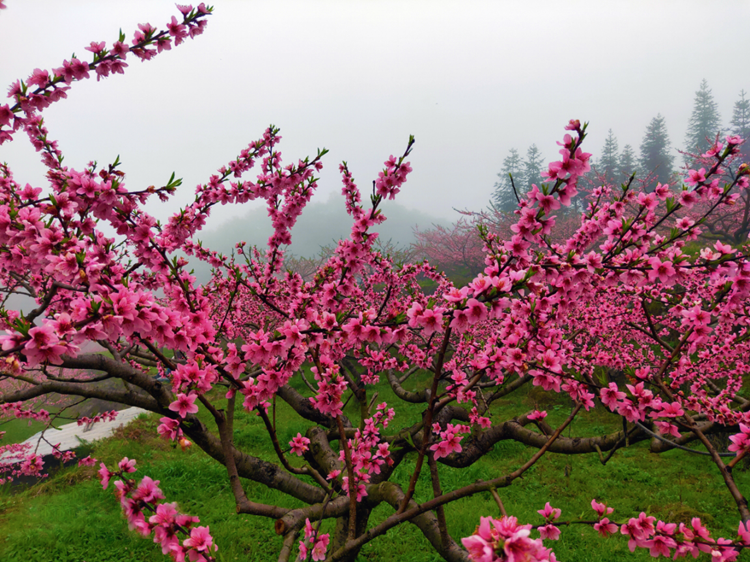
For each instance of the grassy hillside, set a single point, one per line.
(70, 518)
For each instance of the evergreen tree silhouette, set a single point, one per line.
(503, 197)
(627, 164)
(609, 163)
(532, 169)
(740, 124)
(655, 160)
(705, 122)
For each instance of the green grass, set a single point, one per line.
(17, 431)
(70, 518)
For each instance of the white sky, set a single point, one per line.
(469, 79)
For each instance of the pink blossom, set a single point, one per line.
(724, 249)
(127, 465)
(95, 47)
(185, 404)
(605, 527)
(660, 545)
(662, 191)
(696, 176)
(456, 295)
(104, 475)
(688, 199)
(120, 49)
(299, 444)
(87, 461)
(461, 320)
(550, 532)
(666, 428)
(664, 271)
(302, 551)
(549, 512)
(200, 540)
(476, 311)
(449, 442)
(551, 361)
(611, 395)
(648, 200)
(600, 508)
(148, 491)
(5, 115)
(740, 441)
(169, 428)
(479, 548)
(319, 550)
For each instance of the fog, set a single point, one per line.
(322, 224)
(469, 80)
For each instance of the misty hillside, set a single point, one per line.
(322, 223)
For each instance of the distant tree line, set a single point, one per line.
(519, 173)
(654, 163)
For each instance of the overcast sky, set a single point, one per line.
(469, 79)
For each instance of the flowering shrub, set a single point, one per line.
(619, 295)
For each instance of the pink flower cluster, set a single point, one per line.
(111, 415)
(603, 526)
(165, 522)
(43, 88)
(299, 444)
(87, 461)
(368, 452)
(669, 539)
(635, 409)
(331, 387)
(18, 460)
(169, 429)
(430, 320)
(741, 440)
(391, 179)
(450, 439)
(16, 410)
(537, 415)
(318, 544)
(550, 514)
(504, 540)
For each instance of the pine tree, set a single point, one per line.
(627, 164)
(705, 122)
(741, 124)
(532, 169)
(503, 197)
(609, 164)
(655, 160)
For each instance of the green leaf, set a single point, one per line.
(22, 326)
(408, 438)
